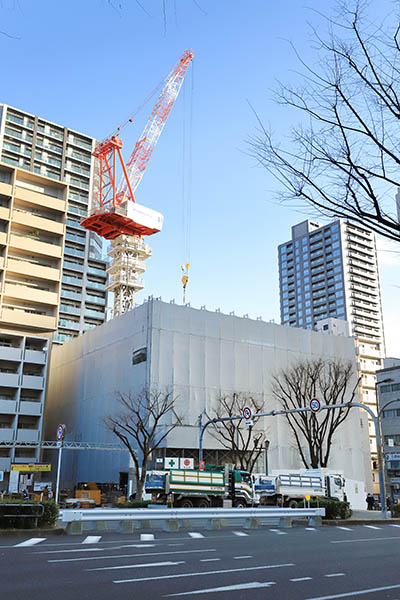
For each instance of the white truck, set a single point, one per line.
(290, 489)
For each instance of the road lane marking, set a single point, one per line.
(345, 528)
(195, 535)
(140, 566)
(209, 559)
(300, 579)
(335, 575)
(240, 533)
(198, 574)
(58, 560)
(240, 557)
(176, 544)
(73, 551)
(394, 537)
(146, 537)
(240, 586)
(392, 525)
(30, 542)
(310, 529)
(357, 593)
(277, 531)
(372, 527)
(92, 539)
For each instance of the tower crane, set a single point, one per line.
(115, 214)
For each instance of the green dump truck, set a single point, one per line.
(187, 488)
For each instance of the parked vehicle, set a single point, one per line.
(291, 489)
(209, 488)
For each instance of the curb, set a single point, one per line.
(360, 522)
(30, 532)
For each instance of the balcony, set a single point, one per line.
(10, 353)
(5, 189)
(94, 314)
(36, 222)
(4, 213)
(40, 199)
(30, 408)
(36, 356)
(3, 238)
(21, 318)
(34, 246)
(23, 292)
(23, 267)
(68, 324)
(96, 285)
(8, 407)
(9, 379)
(70, 294)
(6, 434)
(27, 435)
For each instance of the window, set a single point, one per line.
(393, 412)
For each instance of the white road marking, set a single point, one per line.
(394, 537)
(92, 539)
(73, 551)
(209, 559)
(176, 544)
(227, 588)
(300, 579)
(335, 575)
(372, 527)
(194, 534)
(392, 525)
(345, 528)
(30, 542)
(311, 529)
(130, 555)
(357, 593)
(197, 574)
(240, 557)
(146, 537)
(278, 531)
(240, 533)
(141, 566)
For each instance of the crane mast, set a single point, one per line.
(115, 215)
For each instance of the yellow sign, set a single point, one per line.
(31, 467)
(308, 497)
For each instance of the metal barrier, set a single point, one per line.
(31, 511)
(177, 517)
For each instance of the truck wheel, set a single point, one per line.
(292, 504)
(203, 503)
(240, 504)
(186, 503)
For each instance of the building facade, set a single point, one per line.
(388, 385)
(331, 271)
(32, 144)
(199, 355)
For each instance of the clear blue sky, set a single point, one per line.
(88, 65)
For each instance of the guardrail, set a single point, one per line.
(21, 511)
(177, 517)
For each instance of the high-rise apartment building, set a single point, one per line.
(331, 271)
(32, 144)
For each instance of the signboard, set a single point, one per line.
(392, 456)
(186, 463)
(1, 475)
(315, 405)
(202, 465)
(34, 467)
(60, 433)
(171, 463)
(249, 422)
(159, 461)
(13, 482)
(395, 480)
(247, 413)
(307, 497)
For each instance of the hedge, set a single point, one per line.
(334, 509)
(395, 509)
(135, 504)
(48, 519)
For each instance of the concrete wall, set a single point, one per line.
(199, 354)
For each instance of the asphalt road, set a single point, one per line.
(358, 561)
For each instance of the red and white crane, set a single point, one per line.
(115, 214)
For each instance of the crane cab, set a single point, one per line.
(132, 219)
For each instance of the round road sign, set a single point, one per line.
(60, 433)
(247, 413)
(315, 404)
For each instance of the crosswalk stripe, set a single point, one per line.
(277, 531)
(92, 539)
(392, 525)
(345, 528)
(30, 542)
(311, 529)
(194, 534)
(146, 537)
(372, 527)
(240, 533)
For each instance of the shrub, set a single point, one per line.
(334, 509)
(48, 519)
(395, 511)
(135, 504)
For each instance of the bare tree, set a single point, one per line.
(344, 159)
(330, 382)
(244, 444)
(141, 425)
